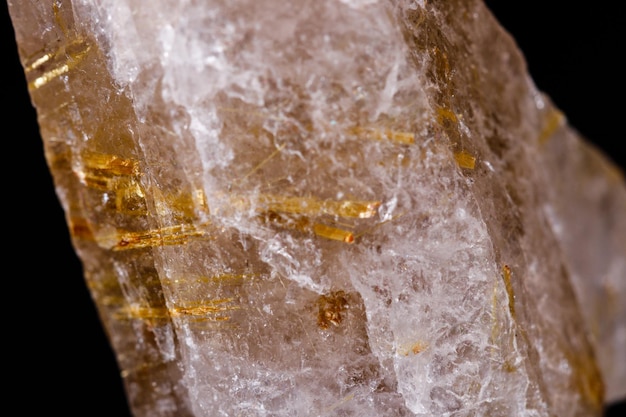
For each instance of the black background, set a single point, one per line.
(60, 357)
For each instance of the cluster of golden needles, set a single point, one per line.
(45, 67)
(121, 175)
(112, 173)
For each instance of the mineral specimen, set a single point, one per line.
(329, 207)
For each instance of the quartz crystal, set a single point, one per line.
(329, 208)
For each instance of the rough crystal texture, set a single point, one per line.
(329, 207)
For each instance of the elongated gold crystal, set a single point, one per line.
(171, 235)
(404, 138)
(312, 206)
(465, 160)
(211, 310)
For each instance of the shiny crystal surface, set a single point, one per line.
(329, 208)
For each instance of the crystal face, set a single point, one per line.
(329, 208)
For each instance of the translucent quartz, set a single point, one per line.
(329, 207)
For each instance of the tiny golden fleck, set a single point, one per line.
(465, 160)
(509, 367)
(333, 233)
(81, 229)
(553, 121)
(330, 309)
(444, 114)
(418, 347)
(413, 348)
